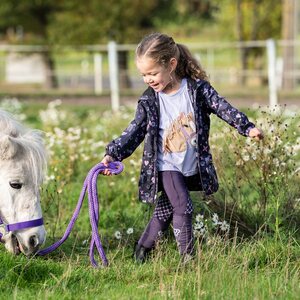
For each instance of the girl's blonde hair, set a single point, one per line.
(161, 48)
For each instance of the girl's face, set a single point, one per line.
(155, 75)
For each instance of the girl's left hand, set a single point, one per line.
(106, 160)
(256, 133)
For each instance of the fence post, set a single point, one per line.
(98, 74)
(271, 53)
(113, 75)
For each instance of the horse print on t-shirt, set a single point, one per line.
(181, 131)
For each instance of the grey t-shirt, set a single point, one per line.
(177, 132)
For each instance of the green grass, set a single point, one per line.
(261, 269)
(261, 266)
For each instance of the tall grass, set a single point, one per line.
(256, 255)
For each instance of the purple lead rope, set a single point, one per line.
(90, 185)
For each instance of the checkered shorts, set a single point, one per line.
(164, 208)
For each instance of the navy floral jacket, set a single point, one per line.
(145, 127)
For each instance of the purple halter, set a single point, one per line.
(6, 228)
(90, 185)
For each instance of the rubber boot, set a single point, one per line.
(141, 253)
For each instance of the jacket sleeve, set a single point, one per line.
(131, 137)
(219, 106)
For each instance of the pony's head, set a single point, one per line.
(22, 168)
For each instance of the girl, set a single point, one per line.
(173, 119)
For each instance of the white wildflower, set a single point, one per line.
(129, 231)
(267, 151)
(276, 162)
(118, 235)
(290, 112)
(14, 106)
(85, 157)
(239, 162)
(246, 157)
(198, 225)
(84, 242)
(203, 231)
(278, 140)
(199, 217)
(215, 219)
(98, 144)
(199, 232)
(54, 103)
(51, 177)
(224, 226)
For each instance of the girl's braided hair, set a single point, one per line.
(161, 48)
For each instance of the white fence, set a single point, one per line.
(94, 69)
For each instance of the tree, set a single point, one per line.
(201, 9)
(126, 21)
(55, 22)
(99, 22)
(33, 18)
(288, 34)
(255, 20)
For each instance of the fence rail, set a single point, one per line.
(95, 68)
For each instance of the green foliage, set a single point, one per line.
(248, 20)
(262, 179)
(32, 16)
(264, 269)
(99, 21)
(185, 18)
(264, 266)
(73, 23)
(260, 20)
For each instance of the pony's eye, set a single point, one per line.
(16, 185)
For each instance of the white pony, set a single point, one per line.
(22, 167)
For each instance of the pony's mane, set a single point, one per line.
(30, 140)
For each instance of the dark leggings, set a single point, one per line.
(173, 205)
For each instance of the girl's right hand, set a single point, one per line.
(256, 133)
(105, 161)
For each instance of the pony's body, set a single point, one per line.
(22, 166)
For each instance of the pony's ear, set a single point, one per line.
(8, 147)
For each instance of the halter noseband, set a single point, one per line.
(6, 228)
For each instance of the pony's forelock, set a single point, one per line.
(35, 156)
(33, 143)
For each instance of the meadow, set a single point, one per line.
(247, 234)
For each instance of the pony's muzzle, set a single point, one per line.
(30, 242)
(30, 247)
(33, 241)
